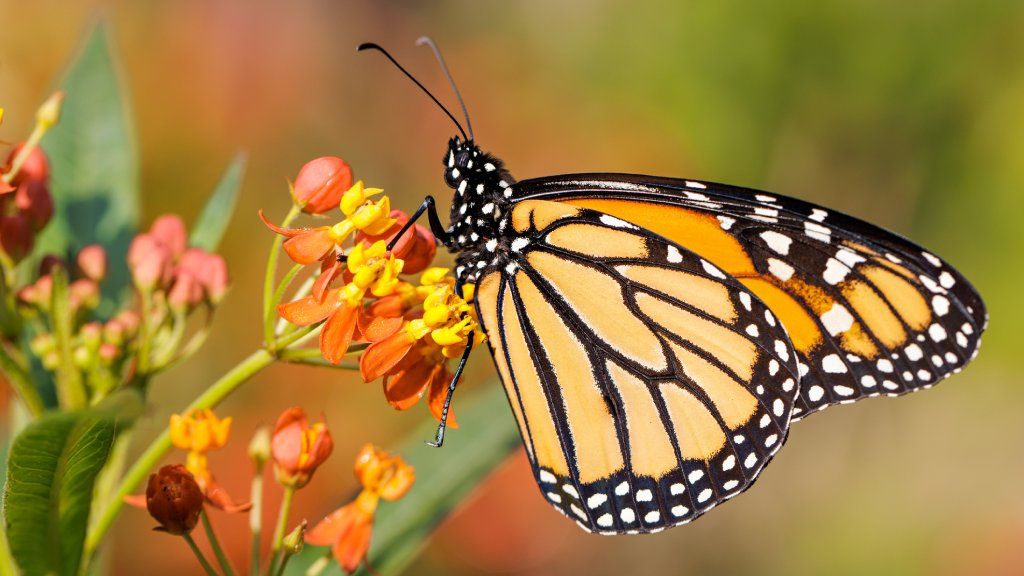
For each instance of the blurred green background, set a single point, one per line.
(909, 114)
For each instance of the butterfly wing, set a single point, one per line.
(648, 385)
(868, 312)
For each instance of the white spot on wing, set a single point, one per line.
(776, 241)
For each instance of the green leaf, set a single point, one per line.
(94, 165)
(216, 216)
(486, 436)
(52, 468)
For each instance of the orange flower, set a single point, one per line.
(308, 245)
(298, 449)
(413, 361)
(370, 269)
(348, 530)
(198, 432)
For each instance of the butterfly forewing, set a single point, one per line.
(649, 386)
(868, 312)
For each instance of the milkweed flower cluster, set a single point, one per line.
(363, 292)
(348, 529)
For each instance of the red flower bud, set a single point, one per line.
(36, 167)
(174, 499)
(320, 184)
(170, 231)
(33, 199)
(16, 236)
(49, 262)
(148, 260)
(92, 262)
(298, 448)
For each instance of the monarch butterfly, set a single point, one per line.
(656, 337)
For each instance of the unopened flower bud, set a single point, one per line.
(82, 357)
(321, 183)
(91, 335)
(259, 447)
(174, 499)
(50, 360)
(298, 448)
(108, 353)
(42, 345)
(129, 319)
(185, 294)
(84, 293)
(49, 113)
(148, 260)
(16, 236)
(49, 262)
(295, 539)
(170, 231)
(113, 332)
(92, 262)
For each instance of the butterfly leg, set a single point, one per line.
(436, 228)
(451, 391)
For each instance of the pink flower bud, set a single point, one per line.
(170, 231)
(92, 262)
(320, 184)
(129, 319)
(185, 293)
(209, 270)
(108, 352)
(84, 293)
(16, 236)
(37, 294)
(148, 260)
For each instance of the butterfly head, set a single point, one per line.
(466, 162)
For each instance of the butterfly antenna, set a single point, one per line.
(428, 41)
(377, 47)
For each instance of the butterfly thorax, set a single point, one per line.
(479, 207)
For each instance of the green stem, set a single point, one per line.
(145, 331)
(268, 280)
(70, 389)
(199, 555)
(220, 389)
(286, 282)
(284, 562)
(256, 519)
(211, 536)
(168, 348)
(282, 524)
(20, 379)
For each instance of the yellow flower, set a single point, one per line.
(199, 431)
(372, 269)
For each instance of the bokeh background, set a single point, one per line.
(909, 114)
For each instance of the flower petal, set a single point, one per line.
(380, 357)
(308, 310)
(327, 273)
(219, 498)
(289, 232)
(309, 246)
(407, 386)
(440, 378)
(377, 328)
(350, 551)
(336, 335)
(329, 530)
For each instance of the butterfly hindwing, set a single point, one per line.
(649, 386)
(868, 312)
